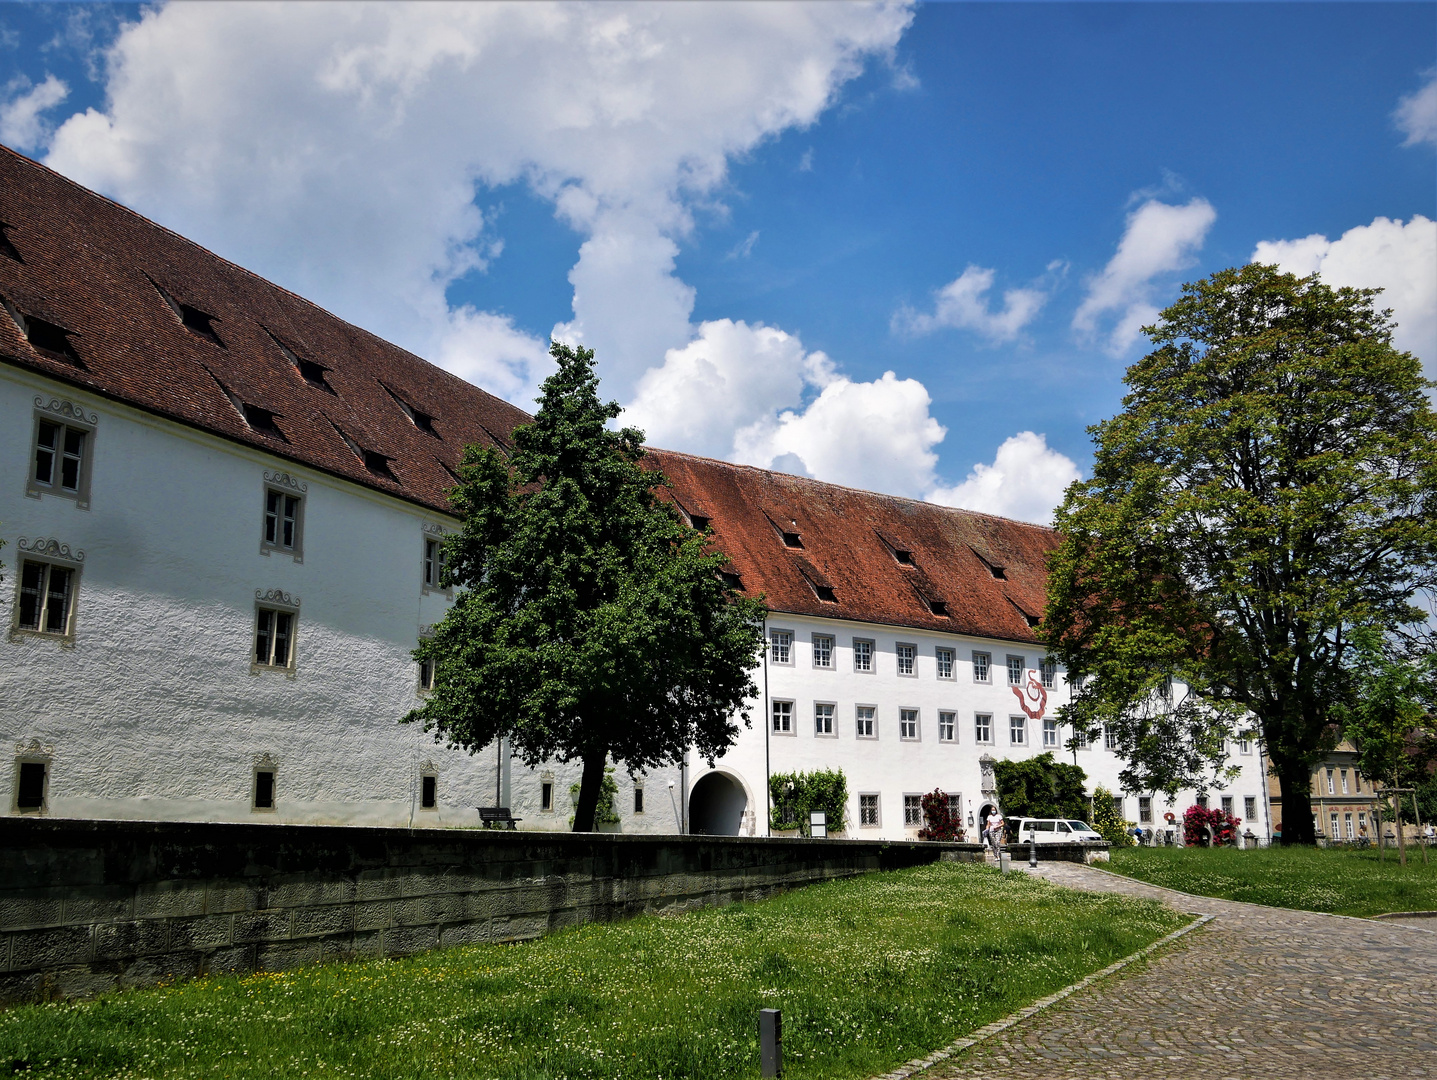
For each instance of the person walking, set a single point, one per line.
(993, 831)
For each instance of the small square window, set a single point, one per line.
(823, 719)
(47, 598)
(822, 651)
(1015, 670)
(862, 655)
(907, 655)
(638, 798)
(263, 793)
(983, 728)
(868, 810)
(283, 522)
(429, 792)
(867, 729)
(699, 522)
(1050, 734)
(1018, 730)
(908, 724)
(783, 718)
(274, 639)
(546, 796)
(945, 662)
(1145, 810)
(780, 646)
(912, 811)
(947, 727)
(32, 781)
(982, 667)
(1249, 807)
(60, 460)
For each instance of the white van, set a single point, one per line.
(1051, 831)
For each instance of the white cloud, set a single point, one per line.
(744, 248)
(337, 148)
(1416, 114)
(1026, 481)
(1400, 259)
(963, 304)
(1159, 239)
(489, 351)
(22, 124)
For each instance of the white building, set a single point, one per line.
(221, 509)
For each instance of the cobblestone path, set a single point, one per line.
(1259, 992)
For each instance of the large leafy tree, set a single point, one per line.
(593, 623)
(1268, 486)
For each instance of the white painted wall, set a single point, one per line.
(153, 711)
(892, 767)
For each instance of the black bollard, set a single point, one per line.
(770, 1042)
(1032, 853)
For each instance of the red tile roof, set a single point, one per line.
(97, 270)
(120, 284)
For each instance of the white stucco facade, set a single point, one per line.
(890, 766)
(150, 706)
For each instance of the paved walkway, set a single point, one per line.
(1259, 992)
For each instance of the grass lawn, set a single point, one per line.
(869, 972)
(1341, 881)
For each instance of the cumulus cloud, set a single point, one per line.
(1026, 481)
(1416, 114)
(964, 304)
(1398, 258)
(338, 148)
(1159, 239)
(22, 121)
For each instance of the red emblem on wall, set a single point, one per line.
(1032, 695)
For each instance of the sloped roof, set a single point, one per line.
(119, 285)
(96, 269)
(988, 574)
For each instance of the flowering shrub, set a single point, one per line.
(795, 794)
(1106, 821)
(938, 822)
(1196, 822)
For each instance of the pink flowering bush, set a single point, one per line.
(938, 822)
(1197, 821)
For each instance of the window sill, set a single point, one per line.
(283, 552)
(273, 669)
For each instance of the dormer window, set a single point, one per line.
(46, 337)
(261, 420)
(420, 419)
(731, 581)
(903, 556)
(997, 572)
(699, 522)
(825, 593)
(8, 249)
(1033, 620)
(378, 464)
(939, 608)
(194, 320)
(792, 539)
(309, 371)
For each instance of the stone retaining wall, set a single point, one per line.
(88, 906)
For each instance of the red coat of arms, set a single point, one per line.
(1032, 695)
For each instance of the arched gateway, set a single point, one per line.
(717, 805)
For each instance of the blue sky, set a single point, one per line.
(755, 213)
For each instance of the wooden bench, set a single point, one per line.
(497, 817)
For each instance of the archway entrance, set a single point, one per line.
(987, 809)
(716, 805)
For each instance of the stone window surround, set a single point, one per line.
(432, 531)
(832, 733)
(1019, 724)
(912, 648)
(977, 716)
(774, 645)
(877, 806)
(774, 714)
(872, 652)
(951, 723)
(264, 763)
(285, 484)
(32, 753)
(67, 414)
(832, 645)
(44, 549)
(917, 735)
(275, 600)
(873, 719)
(982, 672)
(916, 807)
(952, 662)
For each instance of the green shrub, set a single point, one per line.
(1106, 821)
(1041, 787)
(794, 795)
(606, 813)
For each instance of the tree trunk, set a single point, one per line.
(1295, 783)
(590, 785)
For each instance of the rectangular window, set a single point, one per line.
(906, 655)
(638, 798)
(913, 811)
(1165, 688)
(982, 665)
(426, 675)
(274, 638)
(1362, 822)
(983, 728)
(908, 724)
(866, 728)
(1357, 781)
(1344, 781)
(1018, 730)
(1015, 671)
(947, 727)
(822, 651)
(1145, 810)
(1118, 808)
(60, 464)
(1050, 673)
(1081, 734)
(282, 520)
(1331, 788)
(1202, 801)
(1050, 733)
(868, 811)
(1244, 746)
(1227, 805)
(945, 663)
(546, 795)
(955, 807)
(30, 784)
(1334, 834)
(47, 595)
(783, 718)
(1249, 807)
(823, 718)
(428, 792)
(1110, 738)
(263, 790)
(780, 646)
(433, 563)
(862, 655)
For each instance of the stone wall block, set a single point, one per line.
(325, 921)
(80, 982)
(51, 948)
(519, 927)
(285, 955)
(384, 884)
(114, 904)
(299, 891)
(148, 970)
(235, 959)
(374, 916)
(427, 910)
(170, 899)
(257, 926)
(226, 895)
(31, 908)
(404, 940)
(126, 940)
(466, 933)
(203, 932)
(365, 946)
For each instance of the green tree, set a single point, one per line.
(1267, 486)
(592, 623)
(1041, 787)
(1107, 822)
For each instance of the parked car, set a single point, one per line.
(1050, 831)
